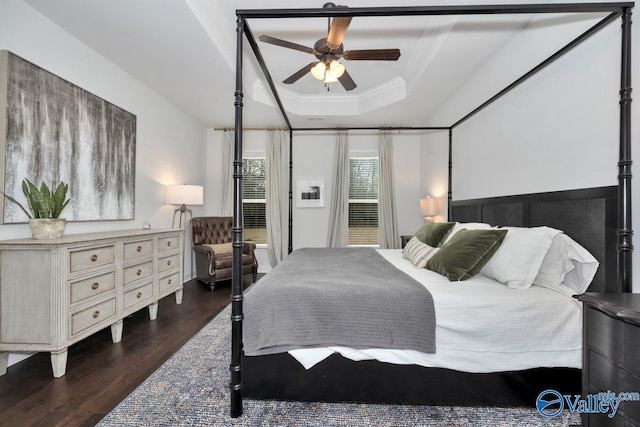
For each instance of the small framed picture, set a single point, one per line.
(310, 193)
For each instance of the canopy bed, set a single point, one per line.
(598, 219)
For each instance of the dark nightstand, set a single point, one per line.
(611, 353)
(404, 239)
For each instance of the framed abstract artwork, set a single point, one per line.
(52, 130)
(310, 193)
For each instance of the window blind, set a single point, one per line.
(363, 201)
(253, 199)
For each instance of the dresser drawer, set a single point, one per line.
(138, 271)
(602, 420)
(168, 243)
(631, 408)
(92, 316)
(138, 249)
(604, 334)
(631, 350)
(85, 259)
(603, 375)
(169, 282)
(81, 290)
(169, 262)
(138, 295)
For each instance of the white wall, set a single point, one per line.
(558, 130)
(312, 159)
(169, 144)
(434, 161)
(407, 153)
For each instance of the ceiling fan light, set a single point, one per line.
(336, 69)
(318, 70)
(330, 77)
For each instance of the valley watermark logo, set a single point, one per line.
(551, 403)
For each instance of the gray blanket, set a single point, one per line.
(352, 297)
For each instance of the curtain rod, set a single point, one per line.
(340, 129)
(250, 129)
(372, 128)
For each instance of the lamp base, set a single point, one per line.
(183, 212)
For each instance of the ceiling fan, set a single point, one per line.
(328, 50)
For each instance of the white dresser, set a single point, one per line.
(56, 292)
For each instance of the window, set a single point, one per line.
(363, 201)
(253, 200)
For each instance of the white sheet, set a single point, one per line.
(483, 326)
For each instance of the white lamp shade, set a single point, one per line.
(429, 206)
(335, 71)
(183, 194)
(318, 70)
(329, 74)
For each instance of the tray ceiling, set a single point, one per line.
(185, 51)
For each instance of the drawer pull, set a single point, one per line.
(95, 285)
(94, 258)
(139, 272)
(169, 243)
(96, 314)
(169, 262)
(139, 249)
(169, 282)
(139, 295)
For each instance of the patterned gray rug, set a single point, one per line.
(191, 389)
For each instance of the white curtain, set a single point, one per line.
(227, 173)
(276, 158)
(387, 216)
(339, 212)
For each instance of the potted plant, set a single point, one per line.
(45, 206)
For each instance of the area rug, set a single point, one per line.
(192, 389)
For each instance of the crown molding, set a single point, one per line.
(384, 94)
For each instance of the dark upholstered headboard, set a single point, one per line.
(587, 215)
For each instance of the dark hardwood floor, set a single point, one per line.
(100, 373)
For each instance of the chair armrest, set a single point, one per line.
(200, 249)
(248, 247)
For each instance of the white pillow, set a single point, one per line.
(418, 253)
(556, 264)
(517, 261)
(468, 225)
(584, 264)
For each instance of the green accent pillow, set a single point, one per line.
(466, 253)
(432, 233)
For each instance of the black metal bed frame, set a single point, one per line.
(624, 228)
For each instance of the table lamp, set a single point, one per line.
(183, 195)
(429, 208)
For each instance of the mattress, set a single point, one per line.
(482, 326)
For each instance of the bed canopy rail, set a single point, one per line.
(624, 227)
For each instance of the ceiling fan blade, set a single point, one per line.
(283, 43)
(339, 25)
(299, 74)
(347, 82)
(372, 55)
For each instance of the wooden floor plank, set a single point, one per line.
(100, 373)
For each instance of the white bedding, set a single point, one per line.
(483, 326)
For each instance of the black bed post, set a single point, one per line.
(290, 244)
(449, 184)
(625, 231)
(236, 283)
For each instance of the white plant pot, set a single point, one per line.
(47, 228)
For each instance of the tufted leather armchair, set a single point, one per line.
(212, 238)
